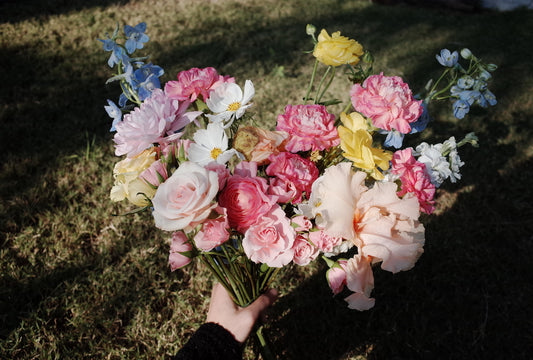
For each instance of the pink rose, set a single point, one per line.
(304, 251)
(283, 190)
(193, 83)
(387, 101)
(245, 198)
(336, 277)
(186, 198)
(180, 251)
(301, 223)
(155, 174)
(295, 170)
(270, 239)
(214, 232)
(310, 127)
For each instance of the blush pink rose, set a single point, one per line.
(283, 190)
(214, 232)
(270, 239)
(186, 199)
(304, 251)
(180, 251)
(295, 170)
(310, 127)
(387, 101)
(301, 223)
(193, 83)
(245, 198)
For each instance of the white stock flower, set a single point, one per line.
(437, 165)
(228, 102)
(210, 145)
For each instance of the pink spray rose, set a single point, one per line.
(310, 127)
(270, 239)
(304, 251)
(245, 198)
(180, 249)
(387, 101)
(186, 199)
(214, 232)
(323, 241)
(193, 83)
(155, 121)
(336, 276)
(414, 179)
(293, 169)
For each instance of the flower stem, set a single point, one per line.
(313, 74)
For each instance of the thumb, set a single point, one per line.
(262, 303)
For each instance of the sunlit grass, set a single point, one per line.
(78, 282)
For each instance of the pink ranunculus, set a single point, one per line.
(304, 251)
(310, 127)
(245, 198)
(180, 251)
(325, 242)
(294, 169)
(155, 174)
(387, 101)
(414, 179)
(360, 280)
(186, 199)
(155, 121)
(193, 83)
(214, 232)
(270, 239)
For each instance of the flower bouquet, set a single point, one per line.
(247, 201)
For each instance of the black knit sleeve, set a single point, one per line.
(211, 341)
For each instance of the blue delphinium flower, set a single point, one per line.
(114, 113)
(447, 59)
(460, 108)
(135, 37)
(117, 52)
(394, 138)
(422, 122)
(147, 79)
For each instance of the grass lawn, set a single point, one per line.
(77, 282)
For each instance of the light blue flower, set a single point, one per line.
(135, 37)
(117, 52)
(460, 108)
(465, 82)
(114, 113)
(147, 79)
(394, 138)
(489, 97)
(421, 123)
(447, 59)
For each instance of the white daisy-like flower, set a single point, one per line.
(210, 145)
(228, 102)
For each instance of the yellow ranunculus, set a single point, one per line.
(356, 142)
(336, 50)
(128, 185)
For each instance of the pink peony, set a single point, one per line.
(245, 197)
(270, 239)
(387, 101)
(214, 232)
(157, 120)
(193, 83)
(180, 251)
(310, 127)
(304, 251)
(186, 199)
(414, 179)
(295, 170)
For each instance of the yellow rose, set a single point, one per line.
(128, 185)
(356, 142)
(337, 50)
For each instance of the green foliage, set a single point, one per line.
(79, 283)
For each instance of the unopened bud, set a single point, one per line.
(492, 67)
(466, 53)
(310, 29)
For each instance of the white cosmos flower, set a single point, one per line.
(210, 145)
(228, 102)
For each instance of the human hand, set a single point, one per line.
(237, 320)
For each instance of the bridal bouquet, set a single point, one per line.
(248, 201)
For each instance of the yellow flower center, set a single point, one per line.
(215, 153)
(234, 106)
